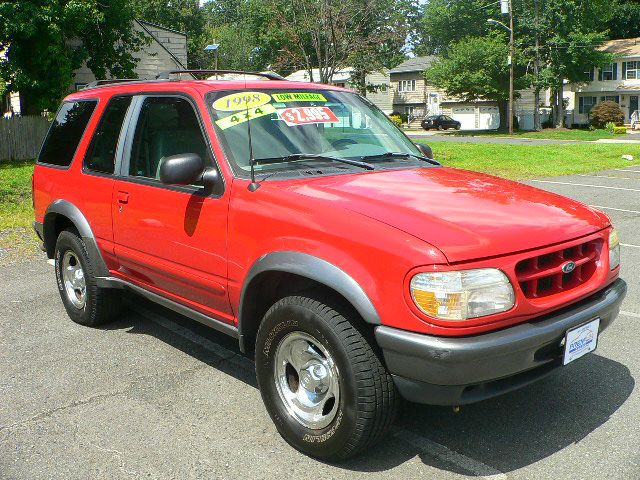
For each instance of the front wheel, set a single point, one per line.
(322, 380)
(85, 302)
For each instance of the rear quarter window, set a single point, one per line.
(66, 132)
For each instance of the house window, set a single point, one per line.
(585, 104)
(608, 72)
(407, 86)
(610, 98)
(409, 111)
(631, 70)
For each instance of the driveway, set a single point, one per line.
(155, 395)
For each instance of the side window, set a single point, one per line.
(65, 132)
(166, 126)
(101, 155)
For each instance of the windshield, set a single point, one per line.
(285, 123)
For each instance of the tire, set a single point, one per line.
(90, 306)
(367, 399)
(440, 127)
(458, 127)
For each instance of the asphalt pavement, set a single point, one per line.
(155, 395)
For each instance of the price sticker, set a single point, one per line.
(307, 115)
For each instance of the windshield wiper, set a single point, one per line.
(312, 156)
(382, 156)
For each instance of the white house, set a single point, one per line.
(619, 82)
(342, 78)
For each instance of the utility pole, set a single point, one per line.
(536, 69)
(511, 67)
(507, 8)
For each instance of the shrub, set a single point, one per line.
(606, 112)
(396, 119)
(620, 130)
(403, 116)
(610, 127)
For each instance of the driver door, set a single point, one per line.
(170, 239)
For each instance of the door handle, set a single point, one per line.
(123, 197)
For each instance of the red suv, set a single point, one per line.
(298, 219)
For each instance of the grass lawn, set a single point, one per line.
(546, 134)
(16, 213)
(527, 161)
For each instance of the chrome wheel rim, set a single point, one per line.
(307, 380)
(73, 279)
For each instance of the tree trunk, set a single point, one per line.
(536, 110)
(560, 119)
(28, 106)
(503, 107)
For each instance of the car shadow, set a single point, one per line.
(506, 433)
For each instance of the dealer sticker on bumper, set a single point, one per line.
(581, 340)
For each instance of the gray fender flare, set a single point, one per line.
(313, 268)
(69, 210)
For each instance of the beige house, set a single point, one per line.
(619, 82)
(412, 96)
(166, 50)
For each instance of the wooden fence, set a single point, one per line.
(21, 137)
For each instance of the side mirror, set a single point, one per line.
(181, 169)
(425, 150)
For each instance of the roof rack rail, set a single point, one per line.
(98, 83)
(167, 75)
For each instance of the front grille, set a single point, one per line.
(542, 275)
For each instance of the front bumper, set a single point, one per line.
(462, 370)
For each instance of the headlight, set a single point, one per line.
(614, 249)
(463, 294)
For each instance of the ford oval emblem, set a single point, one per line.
(568, 267)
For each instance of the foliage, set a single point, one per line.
(46, 40)
(620, 130)
(445, 22)
(475, 68)
(550, 133)
(403, 116)
(606, 112)
(182, 15)
(396, 119)
(625, 19)
(610, 127)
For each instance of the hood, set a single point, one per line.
(467, 215)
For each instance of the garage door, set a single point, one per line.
(466, 116)
(489, 118)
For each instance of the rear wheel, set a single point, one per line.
(85, 302)
(321, 378)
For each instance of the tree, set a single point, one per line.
(625, 19)
(329, 34)
(182, 15)
(476, 68)
(568, 34)
(444, 22)
(46, 40)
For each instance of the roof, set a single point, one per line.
(340, 75)
(161, 27)
(415, 64)
(629, 47)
